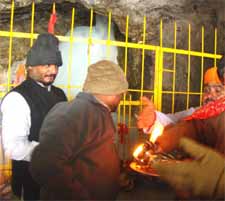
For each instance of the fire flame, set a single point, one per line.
(157, 130)
(138, 150)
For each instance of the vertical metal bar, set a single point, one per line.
(129, 111)
(129, 125)
(32, 24)
(10, 47)
(157, 55)
(124, 96)
(124, 122)
(143, 59)
(189, 66)
(159, 70)
(117, 126)
(202, 64)
(125, 62)
(109, 32)
(70, 55)
(53, 8)
(215, 46)
(126, 49)
(90, 37)
(119, 113)
(174, 66)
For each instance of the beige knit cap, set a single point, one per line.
(106, 78)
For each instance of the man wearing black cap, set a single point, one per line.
(24, 108)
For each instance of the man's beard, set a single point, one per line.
(50, 82)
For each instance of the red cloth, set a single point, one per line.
(122, 131)
(51, 23)
(211, 109)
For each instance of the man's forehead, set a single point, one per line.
(213, 85)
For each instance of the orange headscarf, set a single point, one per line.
(211, 76)
(212, 108)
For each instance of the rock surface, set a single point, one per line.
(197, 13)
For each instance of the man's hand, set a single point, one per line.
(147, 116)
(201, 177)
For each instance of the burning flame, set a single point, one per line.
(138, 150)
(156, 131)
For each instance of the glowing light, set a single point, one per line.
(138, 150)
(157, 130)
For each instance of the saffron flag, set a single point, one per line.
(51, 23)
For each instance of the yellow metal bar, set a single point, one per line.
(202, 64)
(109, 32)
(90, 42)
(174, 66)
(181, 92)
(10, 46)
(160, 70)
(161, 34)
(53, 8)
(189, 66)
(215, 46)
(70, 56)
(156, 78)
(115, 43)
(129, 112)
(143, 58)
(138, 90)
(32, 24)
(168, 70)
(119, 111)
(126, 49)
(124, 109)
(125, 61)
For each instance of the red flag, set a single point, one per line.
(51, 23)
(122, 131)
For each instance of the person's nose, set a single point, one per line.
(53, 69)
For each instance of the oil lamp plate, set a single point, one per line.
(143, 169)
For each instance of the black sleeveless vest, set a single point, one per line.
(40, 102)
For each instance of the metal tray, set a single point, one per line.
(147, 170)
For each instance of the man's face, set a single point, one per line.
(44, 74)
(213, 92)
(115, 100)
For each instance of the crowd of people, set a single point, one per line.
(64, 150)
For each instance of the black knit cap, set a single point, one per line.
(44, 51)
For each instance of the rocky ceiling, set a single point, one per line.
(207, 13)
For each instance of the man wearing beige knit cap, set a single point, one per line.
(76, 158)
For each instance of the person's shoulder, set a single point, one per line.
(12, 100)
(59, 91)
(13, 96)
(56, 88)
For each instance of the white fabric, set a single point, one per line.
(16, 123)
(166, 119)
(180, 115)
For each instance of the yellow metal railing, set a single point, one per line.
(159, 50)
(159, 54)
